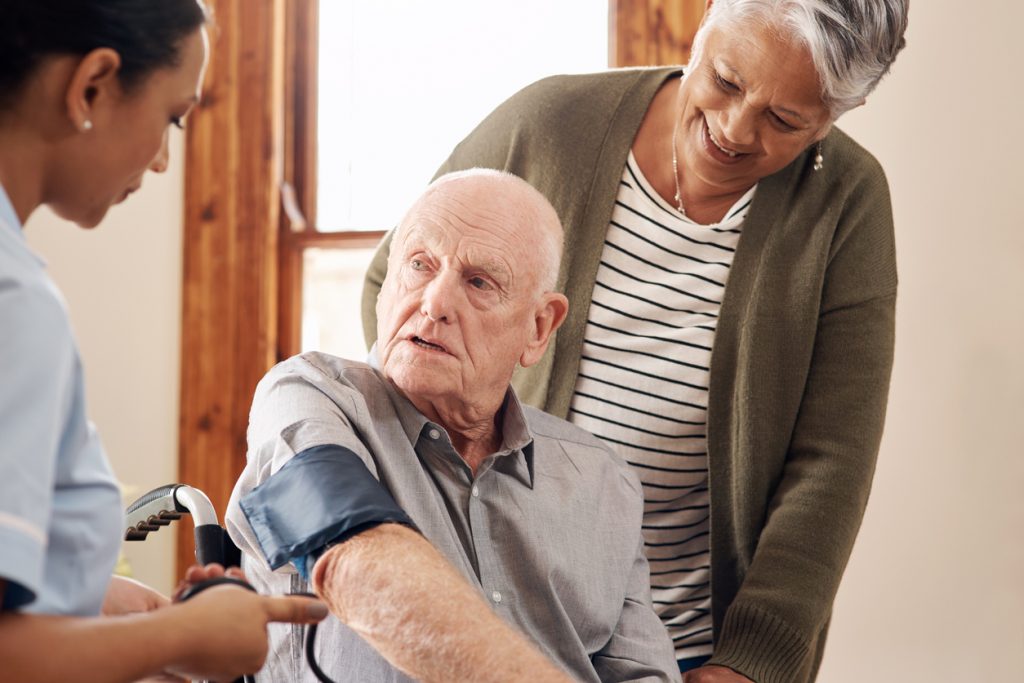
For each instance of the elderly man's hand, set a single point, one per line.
(128, 596)
(714, 674)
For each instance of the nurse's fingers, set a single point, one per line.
(294, 609)
(198, 573)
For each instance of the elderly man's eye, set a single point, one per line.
(417, 264)
(480, 283)
(724, 84)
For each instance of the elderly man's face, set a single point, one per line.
(459, 305)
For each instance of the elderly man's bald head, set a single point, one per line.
(506, 198)
(469, 293)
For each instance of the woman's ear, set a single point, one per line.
(93, 82)
(548, 317)
(823, 133)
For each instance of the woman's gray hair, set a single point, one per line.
(852, 42)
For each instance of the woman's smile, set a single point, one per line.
(718, 151)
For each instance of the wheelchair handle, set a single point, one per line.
(165, 504)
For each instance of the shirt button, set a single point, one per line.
(434, 434)
(496, 596)
(476, 492)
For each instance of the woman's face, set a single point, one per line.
(749, 106)
(129, 137)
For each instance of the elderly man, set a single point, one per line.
(349, 463)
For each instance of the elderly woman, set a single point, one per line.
(731, 275)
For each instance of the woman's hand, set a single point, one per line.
(198, 573)
(223, 630)
(714, 674)
(128, 596)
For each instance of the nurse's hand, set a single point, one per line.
(198, 573)
(221, 632)
(128, 596)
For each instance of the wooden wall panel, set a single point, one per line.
(233, 168)
(652, 32)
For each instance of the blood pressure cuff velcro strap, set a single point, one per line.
(321, 496)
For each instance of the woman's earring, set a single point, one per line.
(87, 125)
(819, 160)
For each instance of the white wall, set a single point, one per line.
(935, 587)
(122, 282)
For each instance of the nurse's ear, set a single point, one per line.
(93, 84)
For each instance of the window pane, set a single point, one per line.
(332, 286)
(402, 81)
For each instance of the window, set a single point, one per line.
(400, 83)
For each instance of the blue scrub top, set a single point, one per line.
(60, 509)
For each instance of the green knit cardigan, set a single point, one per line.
(801, 359)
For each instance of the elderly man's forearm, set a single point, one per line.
(389, 585)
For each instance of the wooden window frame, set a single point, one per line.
(652, 32)
(250, 201)
(299, 220)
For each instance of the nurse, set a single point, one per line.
(88, 90)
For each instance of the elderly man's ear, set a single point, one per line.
(548, 317)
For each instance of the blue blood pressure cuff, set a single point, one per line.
(322, 496)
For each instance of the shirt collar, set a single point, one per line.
(13, 229)
(516, 437)
(8, 215)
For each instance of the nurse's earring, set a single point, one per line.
(819, 160)
(86, 126)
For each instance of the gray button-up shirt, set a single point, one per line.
(548, 530)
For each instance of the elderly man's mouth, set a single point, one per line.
(431, 346)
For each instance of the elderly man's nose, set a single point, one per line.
(436, 302)
(435, 314)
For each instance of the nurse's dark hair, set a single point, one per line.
(147, 34)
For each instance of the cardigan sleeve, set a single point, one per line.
(772, 631)
(372, 283)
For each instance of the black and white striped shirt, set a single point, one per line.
(643, 383)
